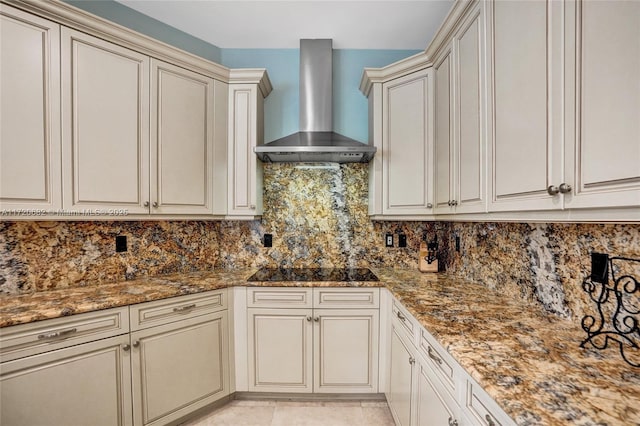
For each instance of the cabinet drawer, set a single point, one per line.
(43, 336)
(164, 311)
(482, 409)
(405, 320)
(279, 297)
(352, 298)
(441, 363)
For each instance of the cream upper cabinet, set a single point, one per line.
(525, 80)
(246, 131)
(30, 112)
(182, 135)
(407, 145)
(602, 154)
(460, 130)
(105, 98)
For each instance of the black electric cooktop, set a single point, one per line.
(313, 274)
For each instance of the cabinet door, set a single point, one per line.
(245, 170)
(433, 405)
(525, 69)
(443, 133)
(407, 145)
(469, 159)
(105, 92)
(181, 140)
(400, 379)
(603, 162)
(345, 350)
(87, 384)
(179, 367)
(280, 350)
(29, 111)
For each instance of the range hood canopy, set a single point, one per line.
(316, 141)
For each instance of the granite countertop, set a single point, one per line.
(529, 362)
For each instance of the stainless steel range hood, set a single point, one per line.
(316, 141)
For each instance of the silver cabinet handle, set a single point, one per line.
(126, 347)
(453, 422)
(155, 204)
(449, 203)
(412, 360)
(429, 205)
(433, 356)
(309, 319)
(56, 334)
(402, 317)
(564, 188)
(184, 308)
(316, 319)
(553, 190)
(489, 420)
(146, 204)
(136, 343)
(454, 203)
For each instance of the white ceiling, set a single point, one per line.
(280, 24)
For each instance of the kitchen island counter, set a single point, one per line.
(530, 363)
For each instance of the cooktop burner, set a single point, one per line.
(313, 274)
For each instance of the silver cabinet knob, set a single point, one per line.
(453, 422)
(316, 319)
(252, 206)
(553, 190)
(155, 204)
(412, 360)
(126, 347)
(309, 319)
(449, 203)
(564, 188)
(429, 205)
(146, 204)
(136, 343)
(454, 203)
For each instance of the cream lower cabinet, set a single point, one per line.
(29, 112)
(400, 384)
(293, 348)
(67, 371)
(179, 356)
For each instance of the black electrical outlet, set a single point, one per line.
(121, 243)
(458, 243)
(600, 268)
(402, 240)
(267, 240)
(388, 240)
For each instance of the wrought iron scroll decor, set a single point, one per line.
(618, 306)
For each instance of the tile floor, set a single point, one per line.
(298, 413)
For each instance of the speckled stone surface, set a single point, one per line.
(529, 362)
(318, 218)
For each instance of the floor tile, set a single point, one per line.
(377, 416)
(317, 416)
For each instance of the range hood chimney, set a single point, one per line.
(316, 141)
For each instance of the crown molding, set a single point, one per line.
(78, 19)
(420, 60)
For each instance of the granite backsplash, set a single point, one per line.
(318, 218)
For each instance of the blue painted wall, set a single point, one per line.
(132, 19)
(350, 109)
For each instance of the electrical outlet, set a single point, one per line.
(600, 268)
(267, 241)
(121, 243)
(458, 243)
(388, 240)
(402, 240)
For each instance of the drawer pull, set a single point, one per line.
(184, 308)
(453, 422)
(56, 334)
(489, 420)
(402, 317)
(433, 356)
